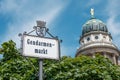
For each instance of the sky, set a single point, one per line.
(64, 18)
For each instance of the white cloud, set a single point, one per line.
(25, 14)
(113, 26)
(113, 11)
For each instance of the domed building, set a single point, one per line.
(96, 38)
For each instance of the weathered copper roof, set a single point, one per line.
(94, 25)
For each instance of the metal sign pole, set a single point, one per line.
(40, 69)
(41, 31)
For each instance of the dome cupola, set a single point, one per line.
(94, 25)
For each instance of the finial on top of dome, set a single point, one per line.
(92, 13)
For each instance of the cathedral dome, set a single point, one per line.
(95, 39)
(94, 25)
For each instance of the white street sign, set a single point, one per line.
(43, 48)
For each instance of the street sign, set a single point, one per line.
(40, 47)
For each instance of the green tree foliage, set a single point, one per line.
(15, 67)
(83, 68)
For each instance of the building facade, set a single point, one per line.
(96, 38)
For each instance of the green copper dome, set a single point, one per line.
(94, 25)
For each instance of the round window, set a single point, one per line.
(96, 37)
(88, 39)
(82, 41)
(109, 39)
(104, 36)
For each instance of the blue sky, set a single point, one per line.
(64, 19)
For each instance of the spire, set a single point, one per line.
(92, 13)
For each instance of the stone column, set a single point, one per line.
(117, 60)
(114, 59)
(105, 54)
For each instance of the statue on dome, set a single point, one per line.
(92, 12)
